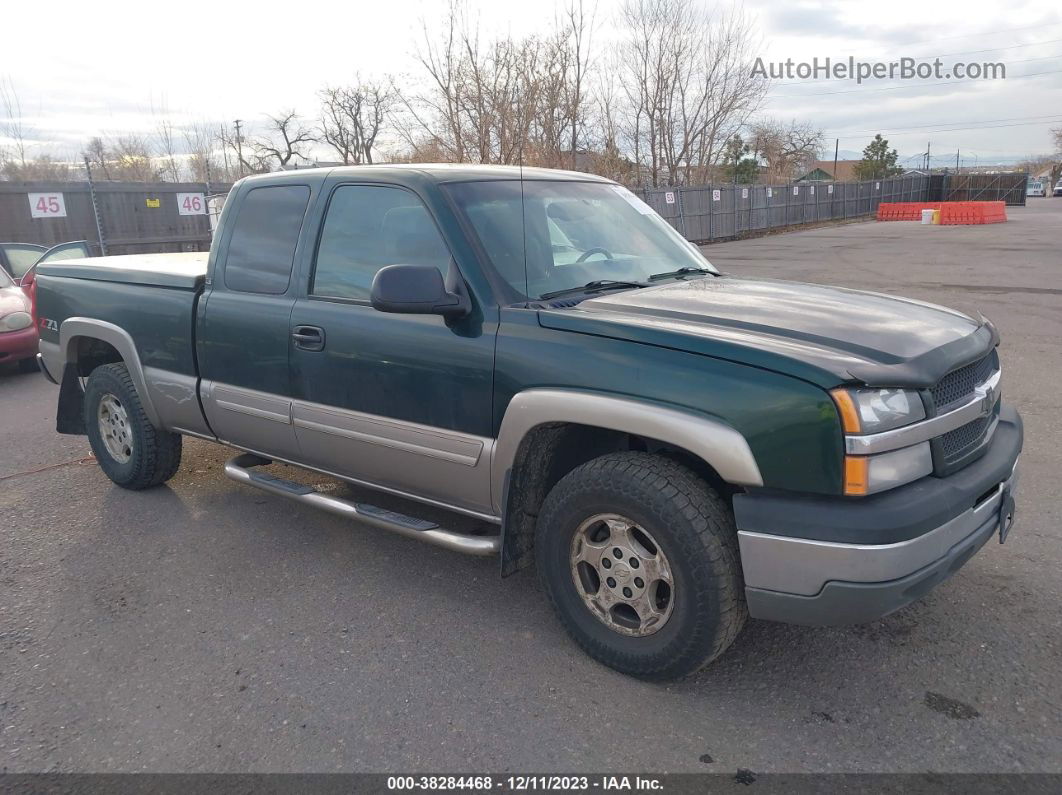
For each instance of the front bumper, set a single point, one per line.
(834, 561)
(17, 345)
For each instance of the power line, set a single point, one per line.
(894, 133)
(1031, 119)
(899, 88)
(974, 35)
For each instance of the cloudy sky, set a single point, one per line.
(114, 66)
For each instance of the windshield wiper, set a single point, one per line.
(591, 287)
(680, 272)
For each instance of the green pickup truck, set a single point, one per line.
(676, 449)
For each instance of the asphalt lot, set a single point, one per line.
(205, 626)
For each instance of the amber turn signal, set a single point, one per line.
(847, 409)
(856, 475)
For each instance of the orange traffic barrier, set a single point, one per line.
(904, 211)
(951, 213)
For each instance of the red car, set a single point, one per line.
(18, 307)
(18, 331)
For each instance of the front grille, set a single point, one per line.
(958, 385)
(955, 444)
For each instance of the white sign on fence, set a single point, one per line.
(829, 188)
(769, 193)
(812, 190)
(877, 186)
(796, 191)
(716, 195)
(669, 197)
(191, 204)
(47, 205)
(744, 193)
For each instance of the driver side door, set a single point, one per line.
(398, 401)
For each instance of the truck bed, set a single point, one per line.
(152, 297)
(186, 271)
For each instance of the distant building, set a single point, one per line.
(823, 171)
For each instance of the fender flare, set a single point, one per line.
(74, 328)
(712, 440)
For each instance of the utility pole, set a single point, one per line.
(927, 156)
(239, 148)
(836, 146)
(956, 161)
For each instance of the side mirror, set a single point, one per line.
(417, 290)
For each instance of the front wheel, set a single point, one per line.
(639, 558)
(129, 449)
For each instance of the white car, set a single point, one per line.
(1035, 188)
(1058, 188)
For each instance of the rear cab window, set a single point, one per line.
(265, 234)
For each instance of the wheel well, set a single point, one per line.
(549, 452)
(90, 353)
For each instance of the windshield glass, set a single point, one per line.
(577, 233)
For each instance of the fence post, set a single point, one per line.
(95, 208)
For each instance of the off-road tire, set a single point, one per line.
(692, 525)
(156, 454)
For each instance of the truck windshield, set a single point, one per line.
(571, 234)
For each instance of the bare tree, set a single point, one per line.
(786, 147)
(13, 125)
(131, 159)
(502, 100)
(97, 155)
(352, 117)
(688, 85)
(285, 139)
(42, 168)
(1056, 171)
(168, 160)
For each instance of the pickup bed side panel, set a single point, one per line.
(782, 418)
(159, 321)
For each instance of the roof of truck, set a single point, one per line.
(440, 172)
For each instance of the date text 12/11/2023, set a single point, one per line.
(522, 783)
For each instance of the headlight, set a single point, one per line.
(867, 411)
(15, 321)
(876, 410)
(869, 474)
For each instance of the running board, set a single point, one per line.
(241, 469)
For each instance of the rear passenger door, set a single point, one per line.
(243, 329)
(397, 401)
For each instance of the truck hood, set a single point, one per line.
(827, 335)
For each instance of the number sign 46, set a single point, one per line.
(191, 204)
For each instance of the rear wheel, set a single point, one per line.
(28, 365)
(132, 452)
(639, 558)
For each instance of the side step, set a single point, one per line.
(241, 469)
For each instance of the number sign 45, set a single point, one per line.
(47, 205)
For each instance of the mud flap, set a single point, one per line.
(70, 417)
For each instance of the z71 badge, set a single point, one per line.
(48, 325)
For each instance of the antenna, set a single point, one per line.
(523, 204)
